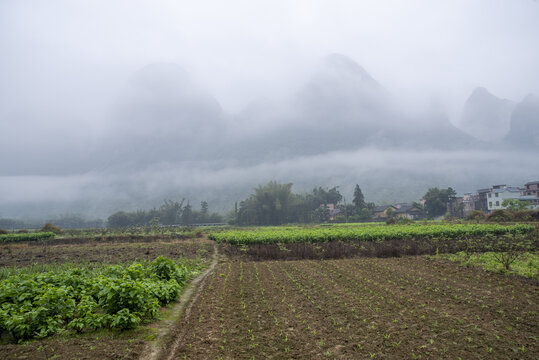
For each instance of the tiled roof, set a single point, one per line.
(382, 208)
(509, 189)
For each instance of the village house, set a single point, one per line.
(499, 193)
(398, 211)
(406, 211)
(384, 211)
(468, 201)
(333, 211)
(531, 189)
(480, 200)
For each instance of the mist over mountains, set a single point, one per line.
(165, 118)
(170, 138)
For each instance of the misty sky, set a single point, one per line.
(241, 50)
(67, 70)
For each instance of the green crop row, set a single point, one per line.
(271, 235)
(81, 299)
(26, 237)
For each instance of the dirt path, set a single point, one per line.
(165, 345)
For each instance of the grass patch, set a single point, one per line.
(526, 265)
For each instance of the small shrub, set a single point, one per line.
(522, 215)
(117, 294)
(391, 221)
(507, 249)
(23, 231)
(3, 231)
(475, 215)
(354, 218)
(166, 269)
(124, 320)
(340, 219)
(405, 221)
(48, 227)
(500, 216)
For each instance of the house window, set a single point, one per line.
(490, 204)
(496, 194)
(497, 203)
(489, 195)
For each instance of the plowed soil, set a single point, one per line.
(397, 308)
(107, 253)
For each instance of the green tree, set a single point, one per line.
(321, 214)
(170, 212)
(155, 224)
(439, 201)
(364, 214)
(514, 204)
(275, 204)
(204, 211)
(321, 196)
(187, 214)
(272, 202)
(348, 210)
(359, 199)
(204, 208)
(119, 219)
(269, 205)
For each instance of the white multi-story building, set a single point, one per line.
(499, 193)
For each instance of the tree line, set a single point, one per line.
(276, 204)
(270, 204)
(169, 213)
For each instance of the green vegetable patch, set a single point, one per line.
(82, 299)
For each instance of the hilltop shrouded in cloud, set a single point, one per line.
(485, 116)
(118, 109)
(162, 117)
(524, 127)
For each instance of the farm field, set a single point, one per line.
(25, 254)
(396, 308)
(35, 257)
(352, 297)
(358, 232)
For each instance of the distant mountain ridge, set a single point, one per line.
(163, 117)
(485, 116)
(524, 127)
(342, 107)
(501, 122)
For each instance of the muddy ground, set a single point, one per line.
(108, 253)
(104, 345)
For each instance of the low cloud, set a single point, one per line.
(384, 175)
